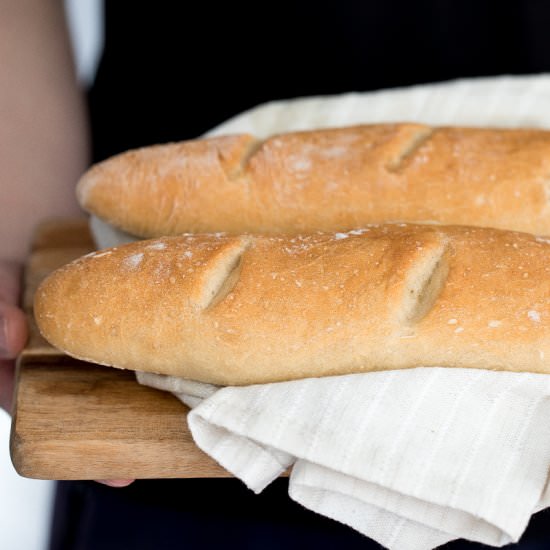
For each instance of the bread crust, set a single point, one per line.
(255, 309)
(327, 180)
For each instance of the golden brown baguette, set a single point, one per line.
(327, 180)
(256, 309)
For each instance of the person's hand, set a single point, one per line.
(13, 329)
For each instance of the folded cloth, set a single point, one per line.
(494, 101)
(411, 458)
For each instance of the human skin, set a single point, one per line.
(44, 147)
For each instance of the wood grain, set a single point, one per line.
(75, 420)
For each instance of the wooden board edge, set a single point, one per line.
(28, 462)
(16, 453)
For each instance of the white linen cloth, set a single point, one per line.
(411, 458)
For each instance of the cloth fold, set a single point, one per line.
(410, 458)
(414, 458)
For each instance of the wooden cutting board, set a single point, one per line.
(75, 420)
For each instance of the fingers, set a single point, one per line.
(13, 331)
(7, 374)
(116, 482)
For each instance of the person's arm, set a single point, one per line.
(43, 150)
(43, 147)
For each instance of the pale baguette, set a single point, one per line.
(256, 309)
(327, 180)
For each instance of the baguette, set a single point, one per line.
(236, 310)
(327, 180)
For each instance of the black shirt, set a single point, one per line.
(171, 71)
